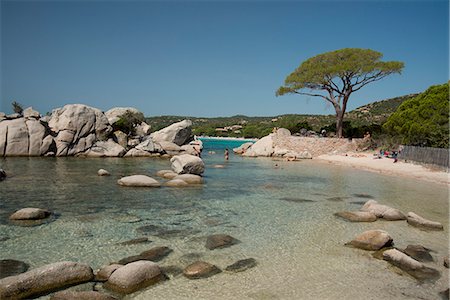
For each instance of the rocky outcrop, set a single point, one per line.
(113, 115)
(78, 127)
(44, 280)
(242, 148)
(107, 148)
(138, 181)
(371, 240)
(134, 276)
(263, 147)
(187, 164)
(179, 133)
(418, 221)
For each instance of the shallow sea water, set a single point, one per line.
(282, 212)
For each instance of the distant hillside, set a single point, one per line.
(244, 126)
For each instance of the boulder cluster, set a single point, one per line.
(81, 130)
(413, 259)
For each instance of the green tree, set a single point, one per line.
(335, 75)
(128, 122)
(424, 119)
(17, 108)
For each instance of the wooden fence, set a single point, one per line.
(427, 155)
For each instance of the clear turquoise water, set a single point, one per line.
(298, 244)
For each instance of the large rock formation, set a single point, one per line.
(187, 164)
(78, 127)
(178, 133)
(114, 114)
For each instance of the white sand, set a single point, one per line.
(366, 161)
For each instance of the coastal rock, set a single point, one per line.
(78, 127)
(419, 253)
(137, 153)
(283, 132)
(263, 147)
(418, 221)
(103, 172)
(114, 114)
(189, 178)
(30, 213)
(241, 265)
(121, 138)
(107, 148)
(179, 133)
(168, 174)
(14, 137)
(105, 272)
(36, 133)
(216, 241)
(176, 183)
(12, 267)
(200, 269)
(371, 240)
(143, 129)
(242, 148)
(169, 147)
(149, 146)
(48, 145)
(383, 211)
(84, 295)
(30, 113)
(357, 216)
(133, 277)
(44, 280)
(410, 265)
(2, 174)
(187, 164)
(138, 181)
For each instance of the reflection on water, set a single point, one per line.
(283, 215)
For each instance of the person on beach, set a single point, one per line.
(226, 154)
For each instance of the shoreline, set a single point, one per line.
(386, 166)
(226, 138)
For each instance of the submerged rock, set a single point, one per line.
(413, 267)
(140, 240)
(138, 181)
(357, 216)
(155, 254)
(189, 178)
(200, 269)
(105, 272)
(241, 265)
(176, 183)
(134, 276)
(371, 240)
(220, 241)
(30, 213)
(418, 221)
(11, 267)
(419, 253)
(44, 280)
(383, 211)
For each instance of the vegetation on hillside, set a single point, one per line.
(423, 120)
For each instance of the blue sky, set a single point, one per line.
(208, 58)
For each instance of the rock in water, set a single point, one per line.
(241, 265)
(138, 181)
(105, 272)
(418, 221)
(103, 172)
(416, 269)
(30, 213)
(134, 276)
(189, 178)
(187, 164)
(220, 241)
(2, 174)
(178, 133)
(11, 267)
(45, 279)
(357, 216)
(383, 211)
(371, 240)
(419, 253)
(200, 269)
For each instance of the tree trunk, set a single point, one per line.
(339, 123)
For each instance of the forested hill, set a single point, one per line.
(368, 115)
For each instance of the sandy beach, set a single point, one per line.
(386, 166)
